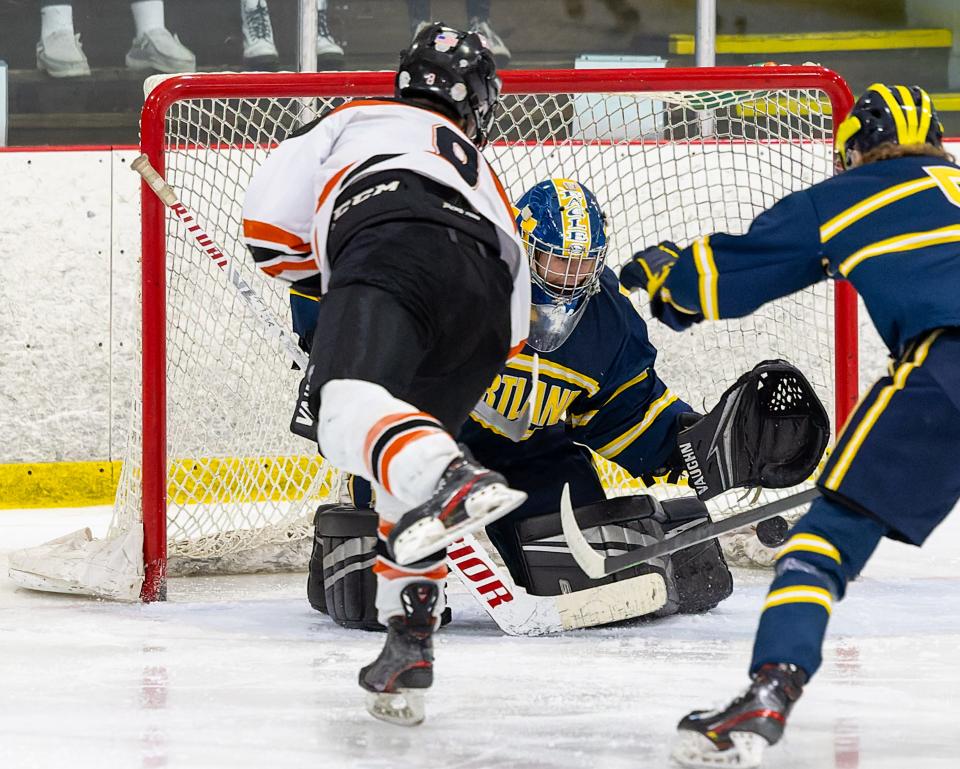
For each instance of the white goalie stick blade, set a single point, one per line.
(518, 613)
(596, 566)
(514, 429)
(589, 559)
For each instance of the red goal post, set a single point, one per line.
(709, 92)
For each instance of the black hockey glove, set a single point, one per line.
(769, 429)
(649, 270)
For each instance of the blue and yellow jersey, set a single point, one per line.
(892, 228)
(599, 388)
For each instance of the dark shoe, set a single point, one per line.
(467, 498)
(737, 735)
(396, 679)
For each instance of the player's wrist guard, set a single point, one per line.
(697, 578)
(341, 581)
(769, 429)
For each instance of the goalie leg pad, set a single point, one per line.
(701, 572)
(612, 526)
(341, 581)
(697, 577)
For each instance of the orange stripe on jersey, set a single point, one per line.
(331, 184)
(382, 424)
(516, 350)
(503, 197)
(391, 571)
(275, 269)
(273, 234)
(394, 447)
(384, 528)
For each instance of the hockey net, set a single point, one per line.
(213, 480)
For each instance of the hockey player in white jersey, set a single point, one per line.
(389, 210)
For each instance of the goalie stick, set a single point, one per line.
(597, 566)
(518, 612)
(514, 610)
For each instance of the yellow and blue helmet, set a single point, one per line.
(895, 114)
(565, 234)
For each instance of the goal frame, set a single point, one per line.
(370, 84)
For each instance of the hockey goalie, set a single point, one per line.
(597, 388)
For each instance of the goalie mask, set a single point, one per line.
(565, 235)
(895, 114)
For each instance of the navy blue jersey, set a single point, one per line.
(599, 388)
(892, 228)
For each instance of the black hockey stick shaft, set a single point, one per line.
(694, 535)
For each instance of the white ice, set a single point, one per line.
(240, 672)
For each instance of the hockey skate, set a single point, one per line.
(737, 735)
(467, 498)
(396, 679)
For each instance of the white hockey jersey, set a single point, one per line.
(290, 199)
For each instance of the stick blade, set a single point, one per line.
(590, 561)
(618, 601)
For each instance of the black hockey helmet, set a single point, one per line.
(897, 114)
(456, 71)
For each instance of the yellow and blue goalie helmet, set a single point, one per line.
(897, 114)
(565, 234)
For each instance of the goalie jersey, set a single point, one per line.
(294, 204)
(892, 228)
(599, 389)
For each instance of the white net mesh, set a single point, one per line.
(663, 165)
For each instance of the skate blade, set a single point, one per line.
(694, 750)
(429, 535)
(403, 708)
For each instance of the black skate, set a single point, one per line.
(737, 735)
(467, 498)
(396, 679)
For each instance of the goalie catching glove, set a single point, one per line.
(648, 269)
(769, 430)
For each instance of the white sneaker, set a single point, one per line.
(501, 53)
(259, 50)
(158, 49)
(60, 54)
(327, 47)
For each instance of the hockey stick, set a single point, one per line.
(518, 612)
(596, 566)
(271, 325)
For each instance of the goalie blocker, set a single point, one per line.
(342, 585)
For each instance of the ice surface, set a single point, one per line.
(240, 672)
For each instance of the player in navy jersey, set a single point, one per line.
(890, 224)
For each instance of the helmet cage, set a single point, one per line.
(565, 272)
